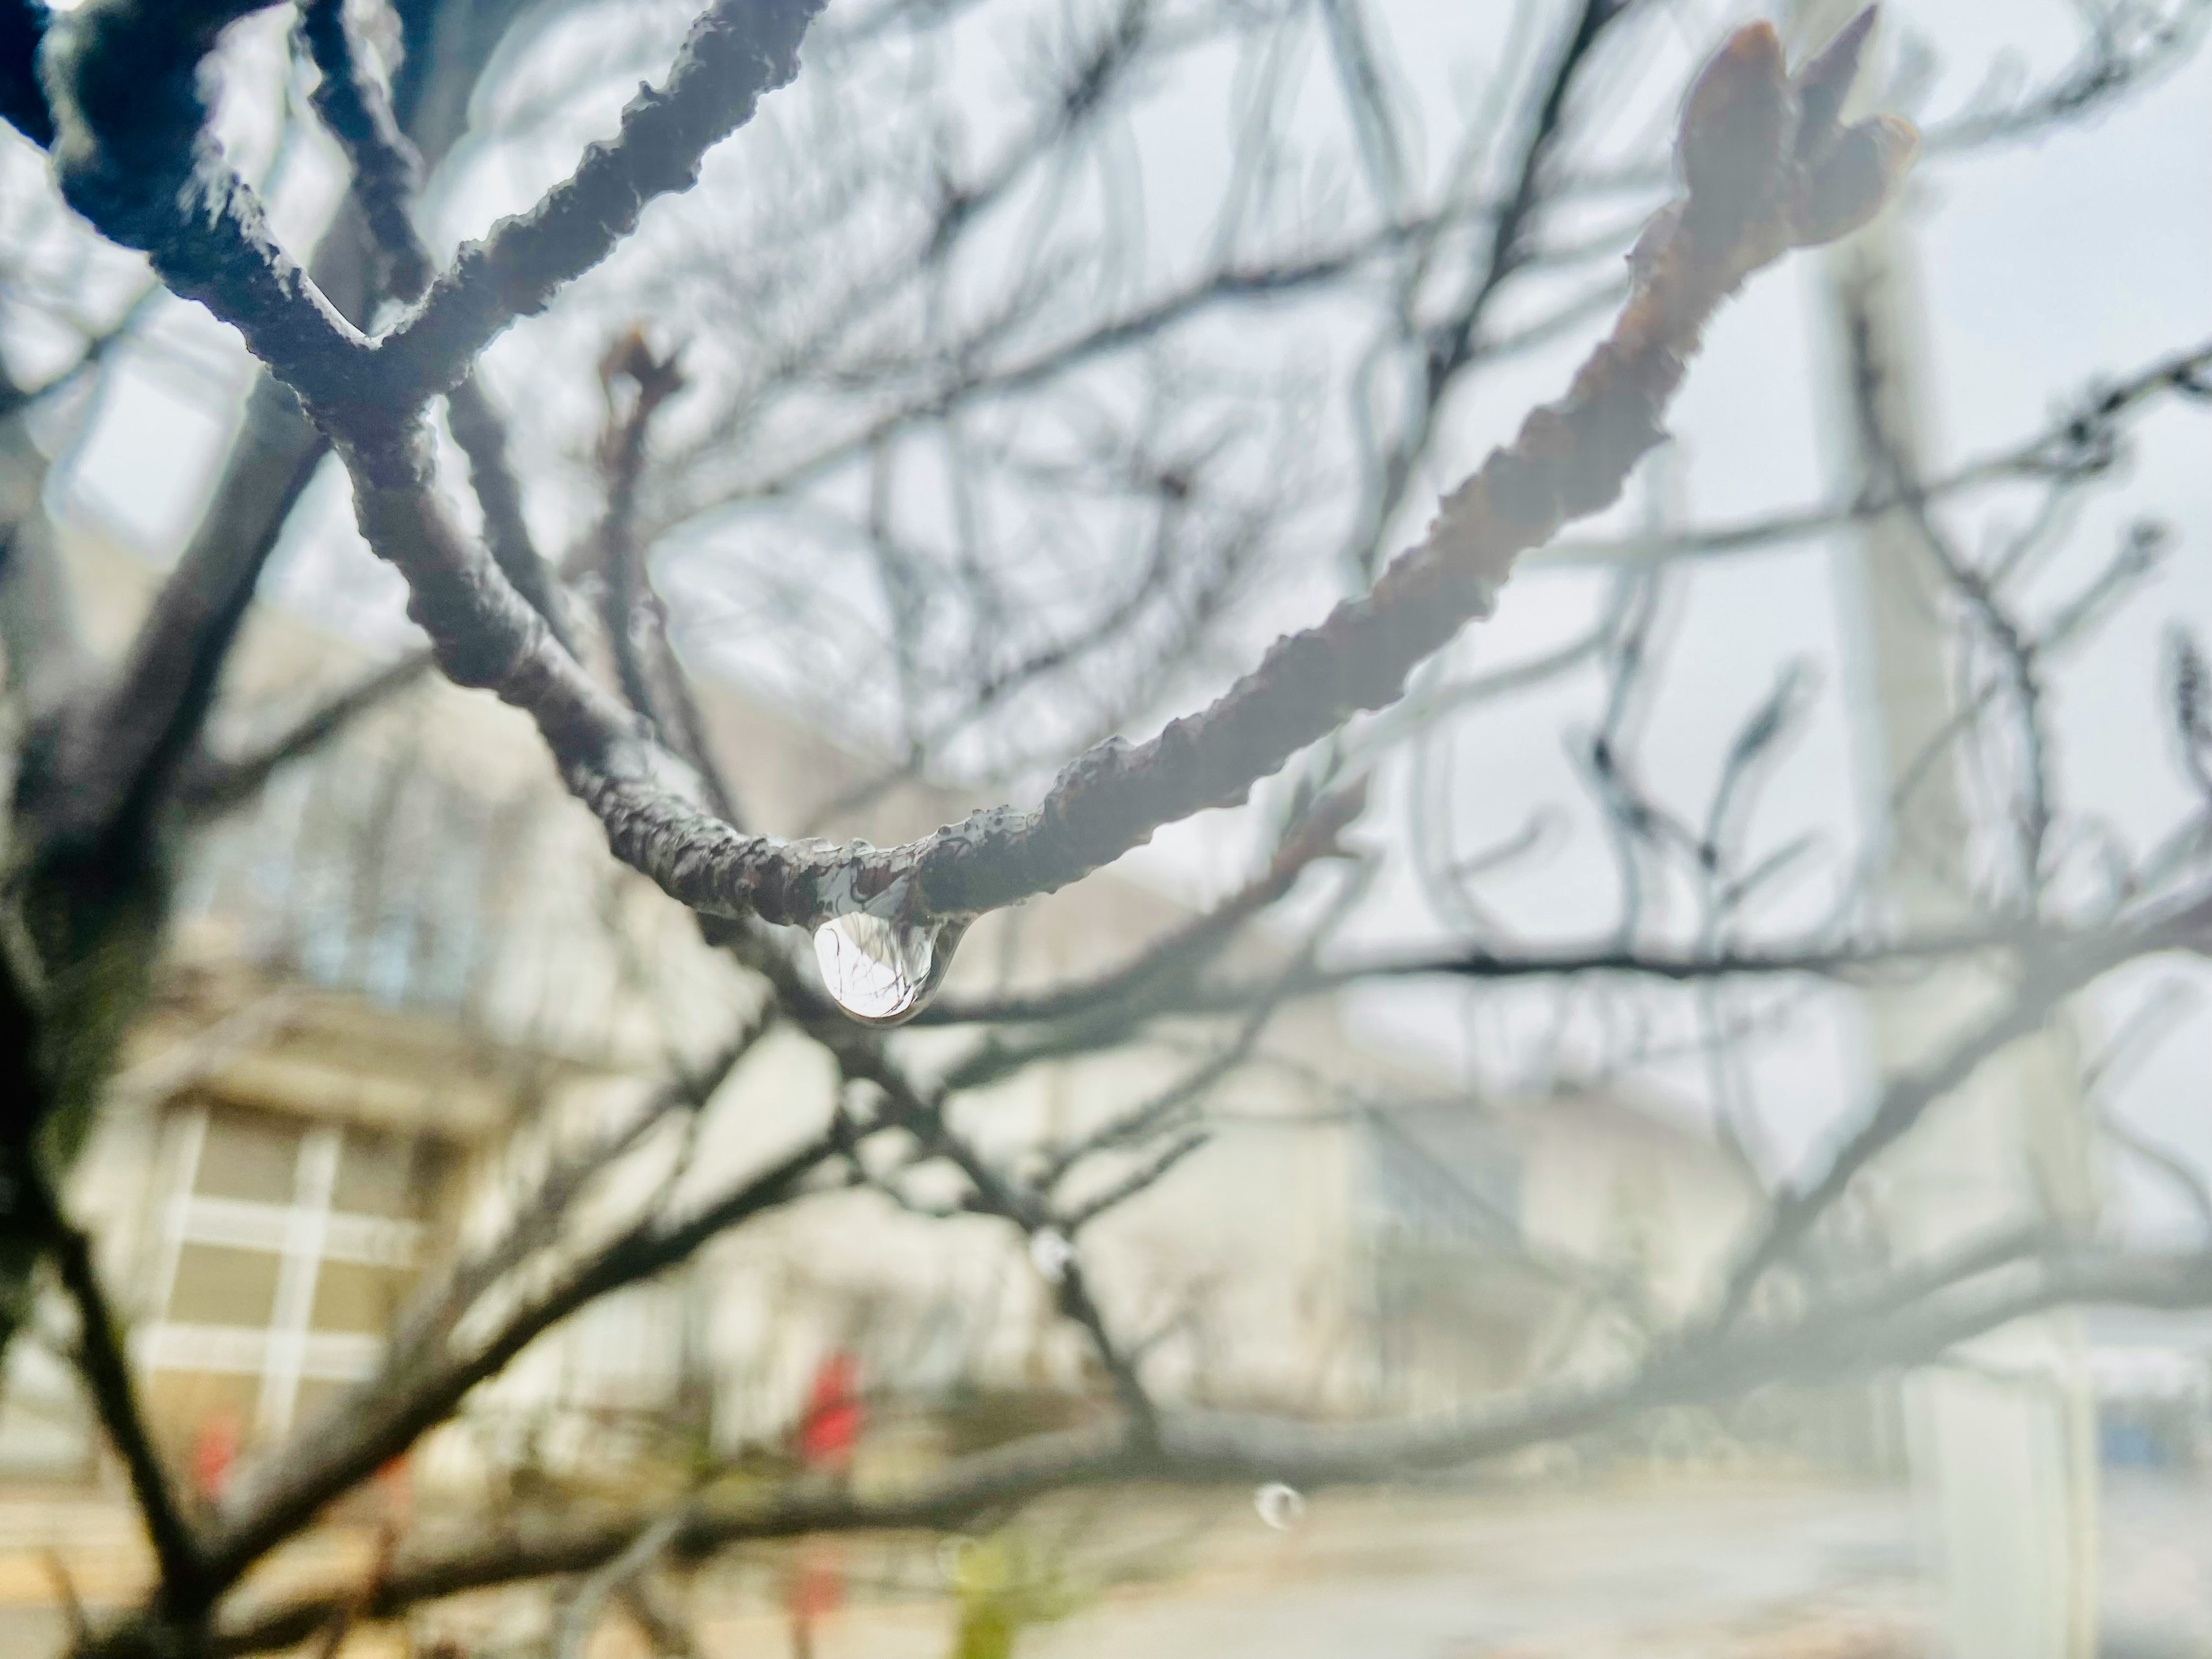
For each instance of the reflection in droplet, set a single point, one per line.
(1051, 1252)
(1280, 1506)
(879, 971)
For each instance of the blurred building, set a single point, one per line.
(407, 972)
(1498, 1237)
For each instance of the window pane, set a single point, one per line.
(353, 1297)
(219, 1285)
(248, 1155)
(384, 1175)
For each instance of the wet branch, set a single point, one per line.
(1165, 967)
(1759, 182)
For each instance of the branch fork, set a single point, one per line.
(1766, 167)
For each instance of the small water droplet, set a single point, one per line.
(881, 971)
(1280, 1506)
(952, 1558)
(1051, 1252)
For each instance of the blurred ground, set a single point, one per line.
(1718, 1570)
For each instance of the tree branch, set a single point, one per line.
(22, 100)
(2046, 982)
(634, 621)
(217, 783)
(106, 1369)
(387, 174)
(1949, 1303)
(2083, 442)
(1759, 183)
(1570, 459)
(1167, 965)
(477, 428)
(736, 51)
(386, 179)
(421, 1382)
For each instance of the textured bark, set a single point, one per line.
(22, 100)
(1765, 167)
(1570, 459)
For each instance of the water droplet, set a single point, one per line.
(881, 971)
(952, 1558)
(1280, 1506)
(1051, 1252)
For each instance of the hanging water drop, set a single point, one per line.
(953, 1554)
(1280, 1506)
(1051, 1252)
(881, 970)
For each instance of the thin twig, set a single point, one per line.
(106, 1368)
(216, 783)
(2046, 982)
(585, 1608)
(1911, 1319)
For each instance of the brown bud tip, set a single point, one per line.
(1824, 80)
(1860, 176)
(1736, 126)
(627, 356)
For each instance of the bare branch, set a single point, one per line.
(106, 1367)
(2047, 980)
(1145, 1177)
(1168, 965)
(585, 1608)
(476, 427)
(735, 53)
(1870, 961)
(663, 1624)
(387, 178)
(342, 1622)
(123, 741)
(2082, 442)
(387, 174)
(1877, 1327)
(386, 1424)
(634, 620)
(1570, 459)
(217, 783)
(861, 1057)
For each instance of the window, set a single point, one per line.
(286, 1248)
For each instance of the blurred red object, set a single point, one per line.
(215, 1448)
(831, 1423)
(818, 1581)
